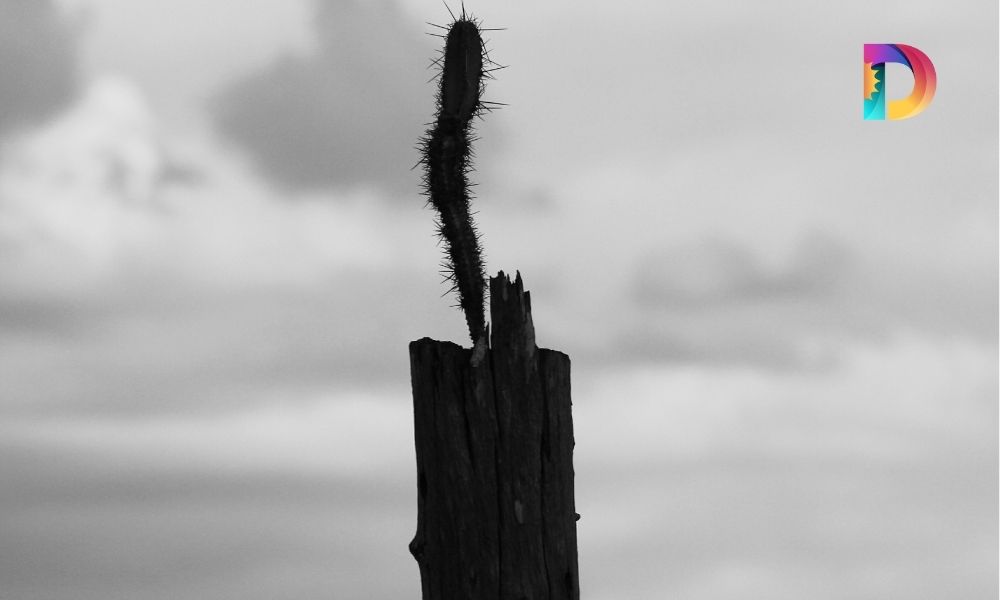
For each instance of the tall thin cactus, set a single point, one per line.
(446, 154)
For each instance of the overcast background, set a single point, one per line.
(782, 319)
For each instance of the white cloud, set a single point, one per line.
(115, 270)
(75, 192)
(87, 197)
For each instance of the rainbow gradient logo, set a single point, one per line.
(924, 81)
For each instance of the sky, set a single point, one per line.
(213, 254)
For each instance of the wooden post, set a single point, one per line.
(495, 512)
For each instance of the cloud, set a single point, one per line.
(150, 346)
(127, 290)
(345, 435)
(348, 114)
(881, 467)
(283, 500)
(717, 271)
(38, 68)
(180, 53)
(718, 300)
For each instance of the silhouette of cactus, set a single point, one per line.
(446, 154)
(493, 426)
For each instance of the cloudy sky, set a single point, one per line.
(782, 319)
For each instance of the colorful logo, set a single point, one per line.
(924, 81)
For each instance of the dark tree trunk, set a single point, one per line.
(495, 512)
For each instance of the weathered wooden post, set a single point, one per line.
(496, 517)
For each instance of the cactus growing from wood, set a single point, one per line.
(493, 426)
(446, 154)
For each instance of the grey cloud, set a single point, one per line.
(37, 62)
(788, 528)
(718, 272)
(715, 301)
(86, 530)
(348, 114)
(38, 474)
(156, 346)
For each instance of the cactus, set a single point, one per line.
(446, 154)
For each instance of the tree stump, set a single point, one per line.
(496, 518)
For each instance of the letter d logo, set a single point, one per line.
(924, 81)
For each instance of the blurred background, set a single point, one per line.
(213, 254)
